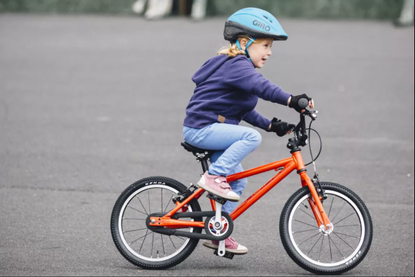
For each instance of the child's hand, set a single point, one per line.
(293, 102)
(280, 127)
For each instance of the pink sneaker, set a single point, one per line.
(218, 186)
(230, 246)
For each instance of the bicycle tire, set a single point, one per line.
(336, 255)
(128, 224)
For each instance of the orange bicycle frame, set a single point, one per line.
(285, 167)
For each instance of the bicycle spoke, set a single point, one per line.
(342, 240)
(307, 214)
(321, 247)
(356, 237)
(344, 218)
(149, 206)
(314, 245)
(161, 197)
(339, 211)
(136, 210)
(162, 244)
(168, 202)
(152, 246)
(127, 218)
(172, 242)
(143, 242)
(302, 231)
(129, 231)
(331, 253)
(296, 220)
(142, 204)
(130, 243)
(348, 225)
(331, 205)
(336, 246)
(308, 239)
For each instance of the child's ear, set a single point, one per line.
(243, 43)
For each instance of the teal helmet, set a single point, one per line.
(255, 23)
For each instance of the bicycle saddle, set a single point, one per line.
(198, 152)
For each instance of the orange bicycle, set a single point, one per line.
(325, 228)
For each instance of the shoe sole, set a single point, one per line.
(230, 198)
(233, 251)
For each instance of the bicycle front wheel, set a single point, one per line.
(318, 250)
(134, 240)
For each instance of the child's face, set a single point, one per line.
(260, 52)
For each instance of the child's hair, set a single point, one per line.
(233, 50)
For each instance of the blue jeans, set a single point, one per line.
(233, 143)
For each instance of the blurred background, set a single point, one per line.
(93, 96)
(335, 9)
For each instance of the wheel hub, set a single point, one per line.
(326, 231)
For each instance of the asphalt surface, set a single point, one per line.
(89, 104)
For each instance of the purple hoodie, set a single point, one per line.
(227, 91)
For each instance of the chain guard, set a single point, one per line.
(195, 215)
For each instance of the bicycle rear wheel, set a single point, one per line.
(317, 250)
(134, 240)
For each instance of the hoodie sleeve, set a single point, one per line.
(256, 119)
(243, 76)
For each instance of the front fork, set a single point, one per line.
(323, 221)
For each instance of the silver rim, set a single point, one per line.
(327, 249)
(136, 237)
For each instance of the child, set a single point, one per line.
(227, 91)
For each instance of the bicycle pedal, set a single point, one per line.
(216, 198)
(228, 255)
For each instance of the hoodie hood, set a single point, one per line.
(208, 68)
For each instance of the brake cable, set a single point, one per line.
(309, 146)
(315, 179)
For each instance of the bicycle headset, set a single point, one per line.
(255, 23)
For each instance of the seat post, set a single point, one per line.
(202, 155)
(205, 165)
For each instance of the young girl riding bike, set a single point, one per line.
(227, 91)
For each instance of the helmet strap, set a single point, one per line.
(238, 44)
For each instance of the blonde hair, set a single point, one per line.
(233, 50)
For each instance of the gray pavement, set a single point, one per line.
(89, 104)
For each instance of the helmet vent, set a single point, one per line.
(267, 18)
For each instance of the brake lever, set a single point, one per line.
(312, 113)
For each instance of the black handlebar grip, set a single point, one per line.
(303, 103)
